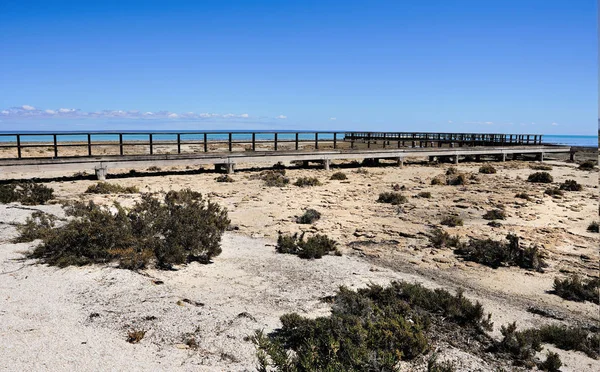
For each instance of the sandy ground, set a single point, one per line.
(85, 313)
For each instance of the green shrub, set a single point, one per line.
(495, 214)
(224, 178)
(587, 165)
(494, 224)
(496, 253)
(523, 195)
(573, 288)
(315, 246)
(110, 188)
(552, 363)
(438, 180)
(424, 194)
(542, 167)
(26, 193)
(37, 226)
(570, 338)
(452, 221)
(487, 169)
(339, 176)
(393, 198)
(540, 177)
(554, 192)
(439, 238)
(593, 227)
(274, 178)
(370, 329)
(183, 227)
(457, 180)
(309, 217)
(520, 345)
(571, 185)
(451, 171)
(307, 181)
(434, 366)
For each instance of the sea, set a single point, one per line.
(245, 135)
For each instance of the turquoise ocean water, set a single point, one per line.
(570, 140)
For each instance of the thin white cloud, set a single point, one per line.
(27, 111)
(281, 117)
(555, 124)
(332, 118)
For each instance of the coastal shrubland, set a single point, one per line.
(540, 177)
(110, 188)
(593, 227)
(182, 227)
(26, 193)
(339, 176)
(307, 182)
(452, 221)
(587, 165)
(313, 247)
(495, 214)
(393, 198)
(309, 216)
(274, 178)
(487, 169)
(224, 178)
(574, 288)
(571, 185)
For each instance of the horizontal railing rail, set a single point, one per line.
(89, 144)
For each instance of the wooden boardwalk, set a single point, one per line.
(100, 152)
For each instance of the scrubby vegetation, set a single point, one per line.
(26, 193)
(315, 246)
(593, 227)
(309, 217)
(487, 169)
(574, 288)
(540, 177)
(552, 363)
(541, 167)
(370, 329)
(339, 176)
(274, 178)
(224, 178)
(523, 195)
(393, 198)
(587, 165)
(495, 214)
(183, 227)
(424, 194)
(439, 238)
(554, 192)
(307, 182)
(452, 221)
(571, 185)
(494, 253)
(110, 188)
(452, 177)
(37, 226)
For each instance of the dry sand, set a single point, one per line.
(48, 316)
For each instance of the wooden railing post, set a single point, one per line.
(19, 146)
(275, 140)
(151, 144)
(297, 137)
(205, 142)
(179, 143)
(253, 141)
(55, 146)
(334, 140)
(316, 140)
(121, 144)
(89, 144)
(229, 142)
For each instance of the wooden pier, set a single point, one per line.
(102, 151)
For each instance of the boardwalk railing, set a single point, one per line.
(77, 144)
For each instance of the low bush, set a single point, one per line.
(542, 167)
(439, 238)
(135, 336)
(424, 194)
(452, 221)
(520, 345)
(26, 193)
(570, 338)
(110, 188)
(307, 182)
(370, 329)
(279, 165)
(438, 180)
(434, 366)
(309, 217)
(224, 178)
(37, 226)
(315, 246)
(552, 363)
(554, 192)
(451, 171)
(523, 195)
(494, 224)
(495, 214)
(587, 165)
(393, 198)
(457, 180)
(571, 185)
(496, 253)
(183, 227)
(339, 176)
(593, 227)
(154, 168)
(487, 169)
(540, 177)
(574, 288)
(274, 178)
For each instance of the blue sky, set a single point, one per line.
(482, 66)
